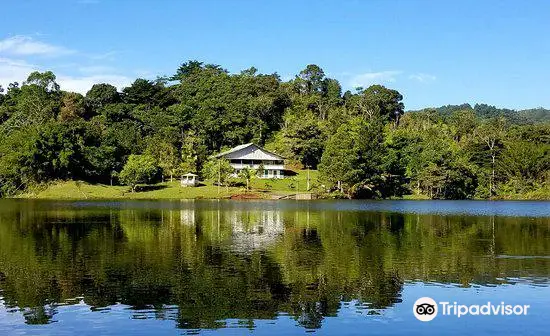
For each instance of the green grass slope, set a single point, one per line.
(263, 188)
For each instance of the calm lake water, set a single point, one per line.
(269, 267)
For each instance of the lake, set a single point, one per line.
(270, 267)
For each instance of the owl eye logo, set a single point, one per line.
(425, 309)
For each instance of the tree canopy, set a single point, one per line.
(138, 169)
(362, 142)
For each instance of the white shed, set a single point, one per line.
(189, 180)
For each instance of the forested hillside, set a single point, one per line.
(484, 111)
(361, 141)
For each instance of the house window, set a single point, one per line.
(265, 172)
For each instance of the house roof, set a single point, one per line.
(190, 174)
(249, 151)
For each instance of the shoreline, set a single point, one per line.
(280, 190)
(267, 199)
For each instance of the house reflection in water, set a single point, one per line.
(249, 230)
(256, 229)
(187, 216)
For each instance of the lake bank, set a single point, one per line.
(261, 189)
(167, 190)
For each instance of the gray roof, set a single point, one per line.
(250, 151)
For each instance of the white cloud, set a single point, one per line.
(14, 71)
(85, 83)
(18, 71)
(422, 77)
(73, 76)
(286, 78)
(370, 78)
(26, 46)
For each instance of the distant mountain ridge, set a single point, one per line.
(484, 111)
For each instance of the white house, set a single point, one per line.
(253, 156)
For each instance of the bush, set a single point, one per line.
(138, 169)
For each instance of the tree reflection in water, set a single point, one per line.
(201, 264)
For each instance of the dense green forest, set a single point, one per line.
(362, 142)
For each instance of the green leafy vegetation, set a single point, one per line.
(138, 169)
(362, 143)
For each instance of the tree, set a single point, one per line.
(310, 80)
(57, 152)
(138, 169)
(35, 103)
(463, 122)
(187, 69)
(251, 72)
(378, 101)
(331, 97)
(435, 156)
(44, 80)
(491, 134)
(525, 159)
(353, 157)
(142, 91)
(16, 159)
(118, 112)
(166, 156)
(247, 174)
(340, 163)
(72, 107)
(218, 170)
(301, 139)
(228, 110)
(260, 170)
(193, 153)
(100, 95)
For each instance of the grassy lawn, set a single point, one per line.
(266, 188)
(415, 197)
(291, 184)
(77, 189)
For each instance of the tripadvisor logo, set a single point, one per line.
(426, 309)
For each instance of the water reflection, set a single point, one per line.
(255, 230)
(209, 264)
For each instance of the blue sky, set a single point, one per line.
(433, 52)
